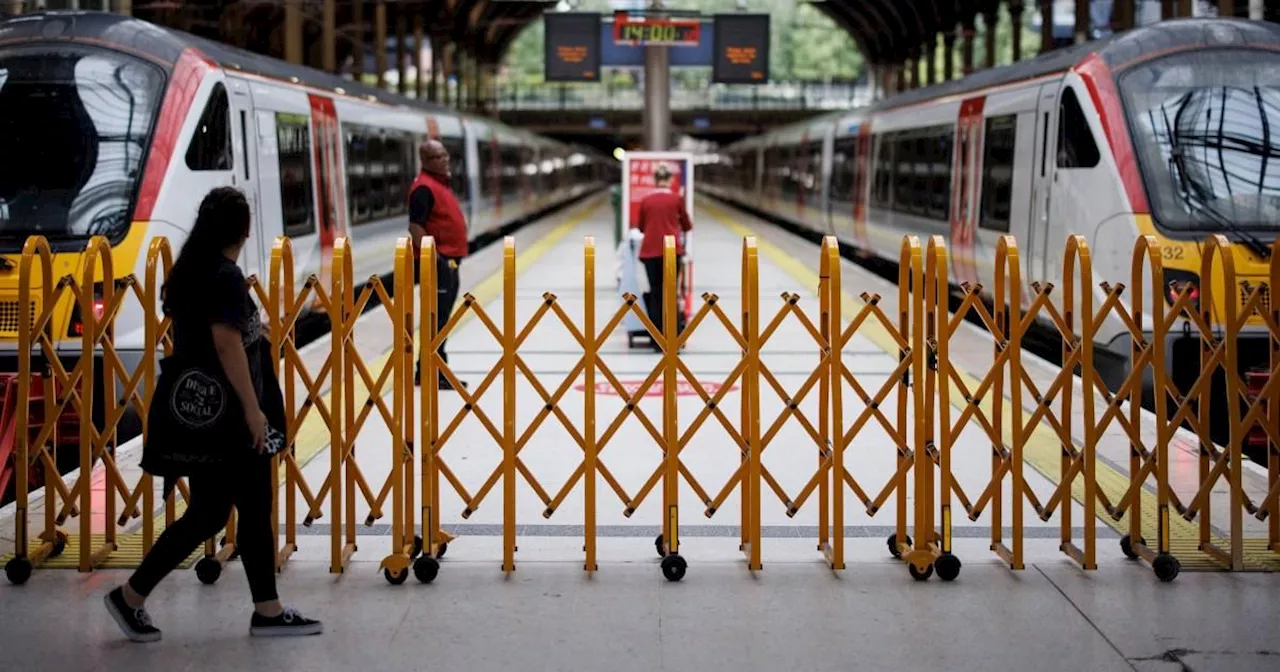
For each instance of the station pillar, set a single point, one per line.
(657, 98)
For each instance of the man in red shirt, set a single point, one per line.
(662, 214)
(434, 211)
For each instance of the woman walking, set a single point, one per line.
(214, 322)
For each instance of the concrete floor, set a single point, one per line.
(549, 615)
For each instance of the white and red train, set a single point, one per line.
(1171, 130)
(111, 126)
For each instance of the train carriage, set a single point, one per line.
(1165, 130)
(111, 126)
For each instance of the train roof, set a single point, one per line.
(1118, 51)
(165, 45)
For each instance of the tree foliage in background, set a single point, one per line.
(805, 44)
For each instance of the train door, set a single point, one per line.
(253, 259)
(330, 196)
(862, 171)
(1042, 180)
(964, 191)
(825, 172)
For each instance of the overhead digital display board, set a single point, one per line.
(572, 47)
(741, 49)
(643, 31)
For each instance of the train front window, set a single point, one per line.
(74, 126)
(1207, 130)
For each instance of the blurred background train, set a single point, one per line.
(1171, 130)
(114, 127)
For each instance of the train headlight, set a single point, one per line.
(76, 326)
(1177, 282)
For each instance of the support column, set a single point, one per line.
(402, 74)
(1257, 9)
(1082, 24)
(357, 51)
(657, 98)
(328, 35)
(1123, 15)
(419, 59)
(966, 50)
(293, 31)
(1184, 8)
(931, 69)
(1168, 9)
(15, 7)
(446, 69)
(1046, 26)
(380, 42)
(1016, 13)
(437, 63)
(990, 20)
(949, 55)
(124, 7)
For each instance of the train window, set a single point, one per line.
(997, 173)
(293, 142)
(1076, 148)
(393, 157)
(457, 169)
(882, 189)
(377, 183)
(210, 147)
(358, 174)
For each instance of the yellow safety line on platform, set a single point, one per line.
(313, 436)
(1042, 451)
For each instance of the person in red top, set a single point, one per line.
(662, 214)
(434, 211)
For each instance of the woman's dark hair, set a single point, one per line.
(221, 222)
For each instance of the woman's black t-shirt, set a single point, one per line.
(223, 298)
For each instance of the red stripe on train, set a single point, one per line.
(184, 81)
(1102, 89)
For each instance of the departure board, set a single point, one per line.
(741, 49)
(572, 47)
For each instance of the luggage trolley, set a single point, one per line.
(637, 182)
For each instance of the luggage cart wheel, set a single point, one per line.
(1166, 567)
(17, 570)
(892, 542)
(660, 546)
(919, 575)
(948, 567)
(673, 567)
(208, 570)
(396, 578)
(1126, 546)
(417, 546)
(425, 568)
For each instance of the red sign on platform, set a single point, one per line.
(683, 388)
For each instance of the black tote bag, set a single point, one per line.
(194, 421)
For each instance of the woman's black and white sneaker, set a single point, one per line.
(135, 623)
(290, 623)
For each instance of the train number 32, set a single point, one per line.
(1171, 252)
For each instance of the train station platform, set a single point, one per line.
(780, 606)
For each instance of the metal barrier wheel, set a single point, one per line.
(1166, 567)
(425, 569)
(396, 578)
(208, 570)
(441, 549)
(1126, 546)
(417, 546)
(919, 575)
(58, 546)
(948, 567)
(18, 570)
(660, 546)
(673, 567)
(892, 542)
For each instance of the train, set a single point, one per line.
(1165, 130)
(115, 127)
